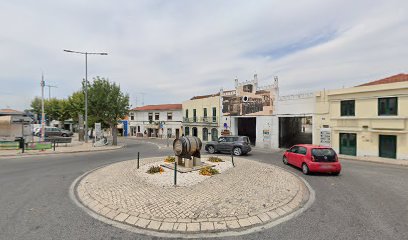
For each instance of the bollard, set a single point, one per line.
(232, 158)
(22, 147)
(175, 173)
(54, 145)
(138, 154)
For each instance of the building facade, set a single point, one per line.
(248, 111)
(156, 121)
(201, 117)
(368, 120)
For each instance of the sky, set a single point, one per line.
(169, 51)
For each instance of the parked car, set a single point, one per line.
(54, 131)
(237, 144)
(312, 158)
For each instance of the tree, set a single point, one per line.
(106, 103)
(36, 106)
(75, 105)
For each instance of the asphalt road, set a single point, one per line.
(367, 201)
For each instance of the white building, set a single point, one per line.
(292, 121)
(156, 121)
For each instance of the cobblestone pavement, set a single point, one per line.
(249, 195)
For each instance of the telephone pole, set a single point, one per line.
(49, 90)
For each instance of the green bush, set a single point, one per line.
(215, 159)
(208, 171)
(155, 169)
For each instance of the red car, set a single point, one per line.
(312, 158)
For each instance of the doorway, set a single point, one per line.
(388, 146)
(247, 127)
(348, 144)
(194, 129)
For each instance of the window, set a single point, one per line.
(186, 131)
(156, 116)
(388, 106)
(150, 117)
(186, 113)
(214, 113)
(194, 115)
(294, 149)
(138, 128)
(205, 114)
(347, 108)
(132, 116)
(170, 116)
(302, 150)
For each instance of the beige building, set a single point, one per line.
(368, 120)
(201, 117)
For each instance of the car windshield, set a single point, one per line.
(318, 152)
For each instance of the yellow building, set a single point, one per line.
(370, 120)
(201, 117)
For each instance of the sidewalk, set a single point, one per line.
(74, 147)
(376, 160)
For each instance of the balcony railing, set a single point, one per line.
(209, 120)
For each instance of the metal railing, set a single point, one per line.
(210, 120)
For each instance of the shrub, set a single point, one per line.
(215, 159)
(170, 159)
(208, 171)
(155, 169)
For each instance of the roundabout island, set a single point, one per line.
(249, 197)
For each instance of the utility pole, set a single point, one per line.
(86, 84)
(49, 90)
(42, 109)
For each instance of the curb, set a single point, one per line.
(256, 228)
(57, 153)
(389, 163)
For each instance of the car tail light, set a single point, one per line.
(336, 159)
(312, 158)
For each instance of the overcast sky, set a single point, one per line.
(173, 50)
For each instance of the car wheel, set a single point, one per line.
(305, 169)
(64, 135)
(285, 160)
(237, 151)
(336, 173)
(211, 149)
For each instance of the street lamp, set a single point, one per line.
(86, 84)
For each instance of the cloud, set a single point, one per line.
(173, 50)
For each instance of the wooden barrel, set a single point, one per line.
(187, 146)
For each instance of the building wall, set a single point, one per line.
(366, 123)
(141, 118)
(199, 104)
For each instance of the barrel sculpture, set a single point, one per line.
(187, 147)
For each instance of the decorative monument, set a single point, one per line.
(187, 150)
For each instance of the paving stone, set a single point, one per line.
(287, 209)
(254, 220)
(183, 220)
(232, 224)
(104, 210)
(280, 211)
(264, 217)
(182, 227)
(207, 226)
(273, 214)
(244, 222)
(220, 225)
(167, 226)
(131, 219)
(112, 214)
(142, 223)
(121, 217)
(154, 225)
(193, 227)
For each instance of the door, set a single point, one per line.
(292, 154)
(388, 146)
(222, 144)
(177, 133)
(195, 134)
(205, 133)
(348, 144)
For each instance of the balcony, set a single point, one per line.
(201, 120)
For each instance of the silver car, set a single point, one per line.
(238, 145)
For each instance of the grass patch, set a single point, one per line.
(208, 171)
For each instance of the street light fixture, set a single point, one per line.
(86, 84)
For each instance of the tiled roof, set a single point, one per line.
(159, 107)
(7, 111)
(393, 79)
(205, 96)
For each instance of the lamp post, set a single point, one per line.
(86, 84)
